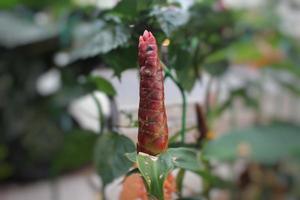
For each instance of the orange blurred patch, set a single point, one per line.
(134, 188)
(211, 135)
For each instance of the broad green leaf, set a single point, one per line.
(105, 39)
(126, 8)
(131, 9)
(131, 156)
(110, 158)
(217, 68)
(121, 59)
(187, 77)
(77, 150)
(185, 158)
(181, 59)
(101, 84)
(216, 64)
(154, 170)
(265, 144)
(244, 51)
(170, 18)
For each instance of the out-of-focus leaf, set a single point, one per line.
(244, 51)
(264, 144)
(181, 60)
(216, 64)
(217, 68)
(131, 156)
(110, 158)
(170, 18)
(100, 84)
(6, 170)
(42, 137)
(185, 158)
(106, 38)
(67, 94)
(186, 77)
(129, 8)
(154, 170)
(115, 59)
(76, 151)
(16, 31)
(8, 3)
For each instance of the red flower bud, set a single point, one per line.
(153, 128)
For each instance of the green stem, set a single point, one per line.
(184, 101)
(100, 113)
(179, 181)
(206, 184)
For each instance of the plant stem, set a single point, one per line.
(179, 181)
(100, 113)
(184, 101)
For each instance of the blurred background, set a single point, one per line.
(69, 74)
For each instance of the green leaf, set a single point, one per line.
(217, 68)
(186, 77)
(121, 59)
(185, 158)
(181, 60)
(129, 8)
(105, 38)
(170, 18)
(110, 158)
(77, 150)
(244, 51)
(154, 170)
(100, 84)
(131, 156)
(264, 144)
(216, 64)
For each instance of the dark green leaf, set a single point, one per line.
(76, 151)
(121, 59)
(128, 8)
(100, 84)
(186, 77)
(110, 158)
(217, 68)
(107, 38)
(170, 18)
(181, 60)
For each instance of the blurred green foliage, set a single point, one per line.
(39, 138)
(265, 144)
